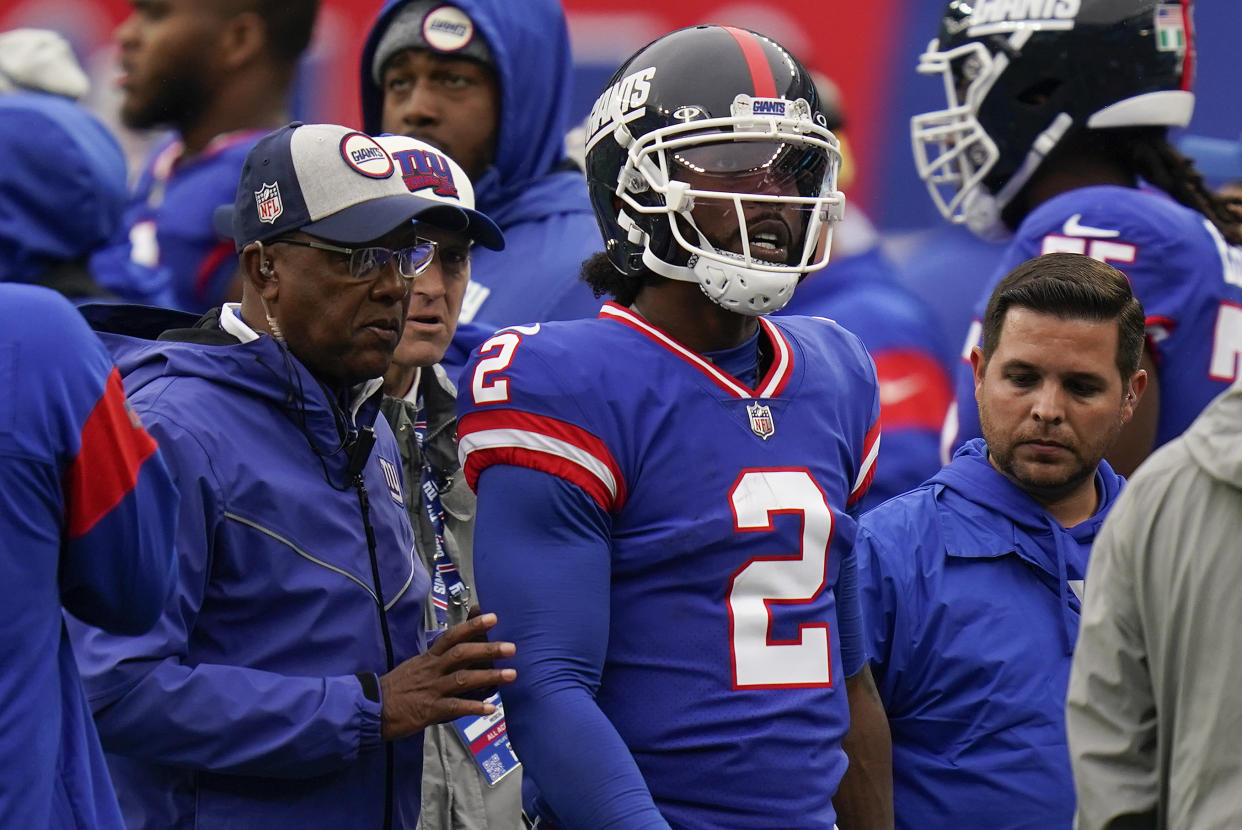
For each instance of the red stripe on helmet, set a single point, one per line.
(1188, 60)
(756, 60)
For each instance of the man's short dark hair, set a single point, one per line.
(290, 24)
(1071, 287)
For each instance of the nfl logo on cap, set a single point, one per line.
(268, 200)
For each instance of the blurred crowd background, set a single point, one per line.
(868, 48)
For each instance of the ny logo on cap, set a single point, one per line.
(268, 200)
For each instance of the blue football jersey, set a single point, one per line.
(168, 252)
(728, 526)
(1187, 277)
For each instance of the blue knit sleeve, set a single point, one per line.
(542, 564)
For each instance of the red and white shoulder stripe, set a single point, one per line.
(523, 439)
(866, 470)
(772, 384)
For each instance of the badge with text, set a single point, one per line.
(487, 738)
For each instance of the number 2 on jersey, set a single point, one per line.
(503, 344)
(759, 661)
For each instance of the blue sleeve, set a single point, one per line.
(118, 500)
(542, 563)
(849, 614)
(880, 606)
(154, 703)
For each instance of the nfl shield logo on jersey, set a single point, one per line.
(761, 420)
(268, 200)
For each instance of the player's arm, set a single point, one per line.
(120, 502)
(543, 563)
(1138, 437)
(151, 703)
(864, 799)
(1110, 706)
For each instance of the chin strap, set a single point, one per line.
(734, 287)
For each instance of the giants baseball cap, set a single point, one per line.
(429, 173)
(328, 181)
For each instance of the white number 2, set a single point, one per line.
(504, 343)
(758, 660)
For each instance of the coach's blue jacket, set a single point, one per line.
(253, 703)
(536, 196)
(971, 597)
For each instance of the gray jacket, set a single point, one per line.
(1155, 693)
(455, 795)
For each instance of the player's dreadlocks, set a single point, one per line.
(604, 279)
(1151, 157)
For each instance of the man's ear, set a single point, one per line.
(258, 271)
(978, 365)
(1133, 394)
(242, 37)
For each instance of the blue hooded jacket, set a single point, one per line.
(62, 184)
(253, 703)
(970, 592)
(531, 191)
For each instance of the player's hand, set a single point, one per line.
(434, 687)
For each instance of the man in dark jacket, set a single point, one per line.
(289, 679)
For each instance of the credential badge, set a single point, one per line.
(268, 200)
(761, 420)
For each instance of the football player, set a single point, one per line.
(665, 491)
(1055, 132)
(218, 73)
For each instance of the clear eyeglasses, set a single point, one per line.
(365, 264)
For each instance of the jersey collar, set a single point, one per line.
(770, 386)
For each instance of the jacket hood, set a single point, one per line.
(529, 41)
(1212, 439)
(62, 192)
(148, 344)
(1063, 551)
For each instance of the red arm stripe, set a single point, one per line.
(114, 447)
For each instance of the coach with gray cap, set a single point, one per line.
(288, 680)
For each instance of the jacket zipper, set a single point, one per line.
(364, 502)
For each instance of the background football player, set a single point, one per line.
(1055, 131)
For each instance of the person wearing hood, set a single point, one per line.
(288, 680)
(971, 584)
(56, 208)
(487, 82)
(1152, 711)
